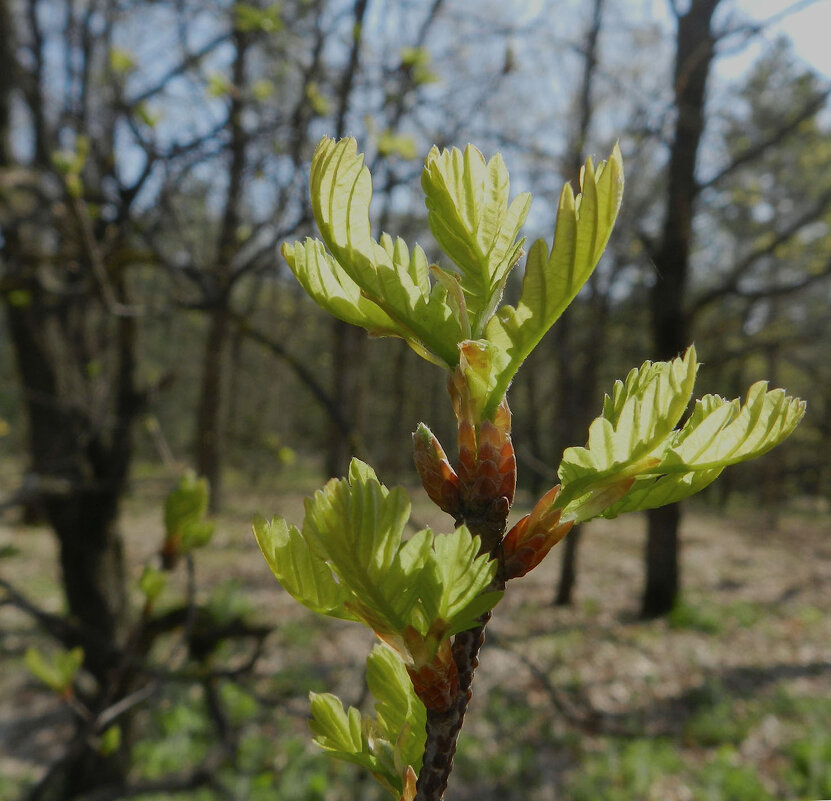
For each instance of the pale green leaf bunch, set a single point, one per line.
(392, 290)
(350, 558)
(185, 511)
(350, 561)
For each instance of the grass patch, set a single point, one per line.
(624, 771)
(698, 616)
(717, 718)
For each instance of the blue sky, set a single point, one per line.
(808, 26)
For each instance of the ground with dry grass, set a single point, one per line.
(727, 700)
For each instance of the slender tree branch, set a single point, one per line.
(774, 138)
(730, 285)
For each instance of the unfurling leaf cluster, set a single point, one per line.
(392, 290)
(185, 518)
(391, 744)
(350, 560)
(637, 458)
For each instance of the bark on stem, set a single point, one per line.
(443, 727)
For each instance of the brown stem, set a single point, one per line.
(443, 727)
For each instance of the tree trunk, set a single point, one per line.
(695, 49)
(209, 416)
(349, 345)
(662, 579)
(568, 568)
(83, 474)
(79, 453)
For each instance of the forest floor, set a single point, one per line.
(728, 699)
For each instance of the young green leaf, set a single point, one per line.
(721, 433)
(356, 524)
(186, 503)
(636, 419)
(334, 290)
(454, 590)
(552, 280)
(650, 491)
(110, 741)
(57, 673)
(303, 574)
(338, 730)
(637, 460)
(391, 746)
(401, 715)
(152, 583)
(469, 216)
(341, 189)
(184, 514)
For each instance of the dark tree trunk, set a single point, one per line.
(662, 546)
(209, 416)
(568, 568)
(349, 346)
(210, 412)
(695, 49)
(82, 472)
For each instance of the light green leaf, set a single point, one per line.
(650, 491)
(356, 738)
(262, 89)
(110, 741)
(152, 583)
(553, 280)
(218, 85)
(338, 730)
(341, 190)
(57, 672)
(722, 433)
(121, 61)
(251, 17)
(665, 464)
(187, 503)
(469, 216)
(480, 363)
(332, 289)
(455, 589)
(184, 514)
(401, 715)
(355, 524)
(393, 144)
(400, 586)
(320, 104)
(303, 574)
(636, 419)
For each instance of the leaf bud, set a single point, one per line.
(437, 476)
(530, 540)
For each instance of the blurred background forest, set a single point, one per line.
(153, 156)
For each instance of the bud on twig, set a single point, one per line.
(437, 683)
(437, 476)
(530, 540)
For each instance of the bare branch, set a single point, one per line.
(730, 285)
(774, 138)
(750, 29)
(190, 60)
